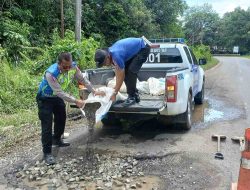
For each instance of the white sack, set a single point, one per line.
(104, 100)
(156, 86)
(112, 83)
(143, 87)
(153, 86)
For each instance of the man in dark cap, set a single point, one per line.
(127, 56)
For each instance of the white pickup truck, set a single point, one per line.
(184, 86)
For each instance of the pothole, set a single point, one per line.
(214, 110)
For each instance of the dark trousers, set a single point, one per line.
(49, 108)
(132, 69)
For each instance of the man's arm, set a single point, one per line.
(120, 75)
(87, 83)
(79, 77)
(53, 83)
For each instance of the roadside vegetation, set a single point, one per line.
(211, 63)
(247, 56)
(30, 40)
(203, 52)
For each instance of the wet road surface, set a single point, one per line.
(178, 159)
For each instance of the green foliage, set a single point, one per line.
(83, 52)
(166, 13)
(20, 117)
(17, 89)
(105, 21)
(113, 21)
(247, 56)
(201, 25)
(213, 62)
(202, 51)
(2, 54)
(13, 35)
(235, 30)
(141, 19)
(90, 19)
(176, 30)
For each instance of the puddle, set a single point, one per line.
(214, 110)
(213, 115)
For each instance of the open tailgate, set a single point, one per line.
(150, 105)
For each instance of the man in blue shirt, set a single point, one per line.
(127, 56)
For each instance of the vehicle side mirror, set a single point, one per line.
(202, 61)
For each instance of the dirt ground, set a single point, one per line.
(147, 156)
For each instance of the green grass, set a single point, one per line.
(22, 117)
(213, 62)
(247, 56)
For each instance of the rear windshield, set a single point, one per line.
(164, 55)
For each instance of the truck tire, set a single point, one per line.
(187, 115)
(110, 121)
(199, 98)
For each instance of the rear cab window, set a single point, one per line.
(164, 55)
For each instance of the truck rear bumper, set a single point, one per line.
(155, 107)
(175, 108)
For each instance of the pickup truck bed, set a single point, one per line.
(148, 102)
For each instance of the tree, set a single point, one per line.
(13, 36)
(201, 25)
(113, 21)
(141, 20)
(166, 15)
(234, 30)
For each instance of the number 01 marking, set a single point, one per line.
(154, 58)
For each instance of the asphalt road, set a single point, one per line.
(179, 159)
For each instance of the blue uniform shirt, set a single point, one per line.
(44, 89)
(125, 49)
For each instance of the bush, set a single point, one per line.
(19, 84)
(202, 51)
(83, 52)
(2, 54)
(17, 89)
(13, 35)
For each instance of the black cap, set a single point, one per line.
(100, 56)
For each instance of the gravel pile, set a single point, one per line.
(103, 170)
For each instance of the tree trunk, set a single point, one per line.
(78, 20)
(62, 20)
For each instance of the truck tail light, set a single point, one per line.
(171, 88)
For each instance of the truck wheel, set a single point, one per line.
(187, 116)
(199, 98)
(110, 121)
